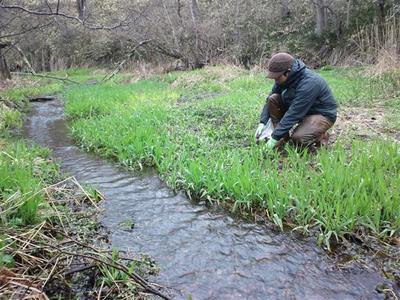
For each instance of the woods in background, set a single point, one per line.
(192, 33)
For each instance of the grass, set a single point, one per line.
(197, 129)
(352, 87)
(24, 171)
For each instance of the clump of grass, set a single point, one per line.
(205, 147)
(100, 100)
(23, 171)
(9, 118)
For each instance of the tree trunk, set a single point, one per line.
(178, 10)
(320, 17)
(46, 67)
(4, 71)
(81, 6)
(285, 8)
(381, 4)
(194, 8)
(348, 13)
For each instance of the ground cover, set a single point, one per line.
(197, 129)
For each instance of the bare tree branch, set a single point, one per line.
(48, 5)
(57, 13)
(40, 26)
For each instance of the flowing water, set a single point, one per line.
(204, 253)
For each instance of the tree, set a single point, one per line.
(285, 9)
(320, 17)
(81, 6)
(4, 71)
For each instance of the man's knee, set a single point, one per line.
(275, 101)
(276, 108)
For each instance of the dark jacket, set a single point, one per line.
(304, 93)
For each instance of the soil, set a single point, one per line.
(362, 123)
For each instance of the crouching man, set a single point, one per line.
(299, 96)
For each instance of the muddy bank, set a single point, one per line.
(203, 253)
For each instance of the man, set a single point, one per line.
(299, 96)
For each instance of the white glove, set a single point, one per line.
(259, 130)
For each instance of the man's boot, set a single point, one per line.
(323, 142)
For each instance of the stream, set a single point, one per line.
(202, 252)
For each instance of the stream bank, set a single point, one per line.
(52, 245)
(202, 253)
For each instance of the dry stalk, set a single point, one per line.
(86, 194)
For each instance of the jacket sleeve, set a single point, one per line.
(305, 97)
(265, 112)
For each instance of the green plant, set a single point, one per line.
(204, 145)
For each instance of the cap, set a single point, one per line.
(279, 64)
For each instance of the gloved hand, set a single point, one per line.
(259, 130)
(271, 143)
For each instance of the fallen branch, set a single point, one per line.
(46, 76)
(32, 71)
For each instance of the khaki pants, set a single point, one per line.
(312, 130)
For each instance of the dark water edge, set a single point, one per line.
(201, 252)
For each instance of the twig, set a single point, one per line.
(53, 206)
(100, 290)
(15, 46)
(31, 237)
(52, 271)
(13, 158)
(80, 269)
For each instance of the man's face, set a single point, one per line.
(281, 79)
